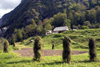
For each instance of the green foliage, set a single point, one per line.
(66, 49)
(19, 35)
(92, 50)
(48, 26)
(38, 46)
(12, 41)
(67, 22)
(6, 45)
(59, 19)
(53, 45)
(87, 23)
(84, 27)
(29, 14)
(15, 48)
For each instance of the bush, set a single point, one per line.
(53, 46)
(6, 45)
(84, 27)
(67, 49)
(12, 41)
(38, 46)
(92, 50)
(2, 40)
(15, 48)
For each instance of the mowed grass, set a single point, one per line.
(12, 59)
(80, 39)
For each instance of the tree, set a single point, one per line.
(92, 50)
(98, 15)
(33, 23)
(48, 26)
(44, 30)
(59, 19)
(87, 23)
(91, 15)
(39, 29)
(6, 45)
(38, 46)
(76, 17)
(40, 22)
(67, 22)
(66, 49)
(19, 35)
(12, 41)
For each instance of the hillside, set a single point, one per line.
(41, 15)
(80, 39)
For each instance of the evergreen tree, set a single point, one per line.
(38, 46)
(66, 49)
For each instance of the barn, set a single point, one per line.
(60, 29)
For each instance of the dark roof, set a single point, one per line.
(62, 28)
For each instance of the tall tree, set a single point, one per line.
(59, 19)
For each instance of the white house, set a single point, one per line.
(60, 29)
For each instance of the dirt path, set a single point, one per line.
(27, 52)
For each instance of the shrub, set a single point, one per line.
(66, 49)
(92, 50)
(38, 45)
(53, 46)
(15, 48)
(84, 27)
(12, 41)
(6, 45)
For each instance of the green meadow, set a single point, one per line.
(80, 39)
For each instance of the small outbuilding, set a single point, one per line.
(60, 29)
(48, 32)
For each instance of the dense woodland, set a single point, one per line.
(35, 17)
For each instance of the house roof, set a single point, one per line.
(62, 28)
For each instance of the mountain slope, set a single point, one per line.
(77, 11)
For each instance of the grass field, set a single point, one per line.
(80, 39)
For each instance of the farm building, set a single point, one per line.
(48, 32)
(60, 29)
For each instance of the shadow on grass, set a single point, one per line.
(23, 61)
(53, 63)
(87, 61)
